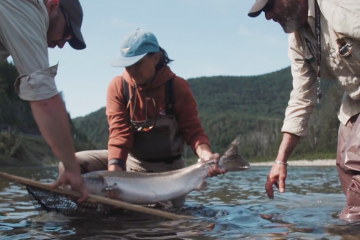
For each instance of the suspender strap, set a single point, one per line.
(125, 91)
(317, 55)
(169, 97)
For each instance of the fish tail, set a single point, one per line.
(231, 160)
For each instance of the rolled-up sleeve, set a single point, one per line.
(120, 136)
(303, 95)
(23, 33)
(38, 85)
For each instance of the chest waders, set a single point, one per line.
(163, 142)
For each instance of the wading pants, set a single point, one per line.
(348, 167)
(96, 160)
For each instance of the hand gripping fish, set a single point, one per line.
(148, 188)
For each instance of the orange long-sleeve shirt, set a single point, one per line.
(120, 134)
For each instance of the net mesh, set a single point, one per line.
(48, 201)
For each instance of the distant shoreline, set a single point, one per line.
(300, 163)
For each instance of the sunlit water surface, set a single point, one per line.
(233, 206)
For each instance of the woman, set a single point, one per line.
(151, 114)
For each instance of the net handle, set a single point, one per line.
(99, 199)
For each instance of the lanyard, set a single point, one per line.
(317, 55)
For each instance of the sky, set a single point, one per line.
(203, 37)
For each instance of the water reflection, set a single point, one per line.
(233, 206)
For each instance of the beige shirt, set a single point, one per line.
(339, 19)
(23, 29)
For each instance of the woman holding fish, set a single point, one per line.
(151, 114)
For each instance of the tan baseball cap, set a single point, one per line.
(257, 8)
(74, 11)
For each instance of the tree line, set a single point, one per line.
(17, 125)
(251, 107)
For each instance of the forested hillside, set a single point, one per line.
(95, 126)
(20, 139)
(252, 107)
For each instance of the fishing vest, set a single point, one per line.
(162, 143)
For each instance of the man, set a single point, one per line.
(339, 35)
(27, 29)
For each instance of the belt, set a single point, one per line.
(168, 160)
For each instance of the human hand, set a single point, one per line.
(213, 170)
(74, 179)
(276, 176)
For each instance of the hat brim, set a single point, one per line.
(121, 61)
(77, 41)
(257, 8)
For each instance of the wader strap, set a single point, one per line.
(125, 91)
(169, 97)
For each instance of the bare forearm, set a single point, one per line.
(203, 151)
(52, 120)
(288, 143)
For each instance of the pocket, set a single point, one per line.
(154, 144)
(353, 194)
(349, 53)
(353, 64)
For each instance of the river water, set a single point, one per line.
(233, 206)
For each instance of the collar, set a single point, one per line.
(311, 12)
(305, 31)
(162, 76)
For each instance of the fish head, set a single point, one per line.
(231, 160)
(94, 182)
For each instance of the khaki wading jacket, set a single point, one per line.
(340, 19)
(23, 35)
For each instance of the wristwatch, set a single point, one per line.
(118, 162)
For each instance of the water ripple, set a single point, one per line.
(233, 206)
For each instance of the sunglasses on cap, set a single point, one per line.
(67, 29)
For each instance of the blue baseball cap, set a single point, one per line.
(134, 47)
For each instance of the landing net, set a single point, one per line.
(48, 201)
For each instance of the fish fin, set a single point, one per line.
(231, 160)
(233, 148)
(201, 186)
(113, 188)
